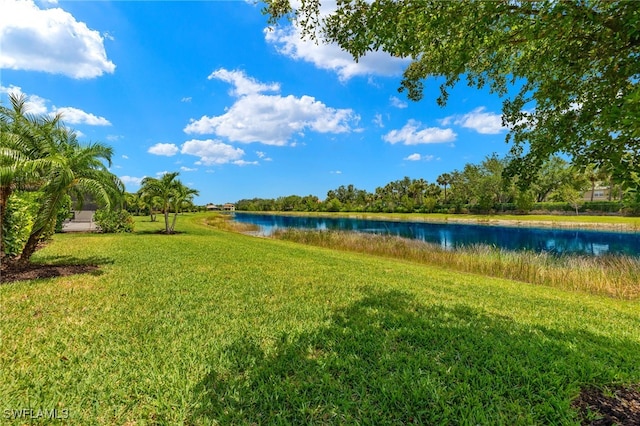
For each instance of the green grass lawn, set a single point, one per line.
(209, 327)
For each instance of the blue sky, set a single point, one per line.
(205, 89)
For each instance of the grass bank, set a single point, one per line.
(615, 276)
(212, 327)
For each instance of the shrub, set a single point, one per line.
(552, 206)
(113, 221)
(429, 205)
(632, 203)
(602, 206)
(20, 213)
(63, 214)
(524, 201)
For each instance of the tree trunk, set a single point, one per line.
(173, 225)
(166, 221)
(610, 189)
(29, 248)
(5, 192)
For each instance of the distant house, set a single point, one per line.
(600, 193)
(212, 207)
(229, 207)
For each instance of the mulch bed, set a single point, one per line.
(32, 271)
(620, 406)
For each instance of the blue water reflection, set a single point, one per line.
(456, 235)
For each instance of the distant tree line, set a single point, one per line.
(477, 188)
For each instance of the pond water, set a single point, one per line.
(557, 241)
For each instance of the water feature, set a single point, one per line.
(558, 241)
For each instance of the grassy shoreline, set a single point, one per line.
(604, 223)
(614, 276)
(215, 327)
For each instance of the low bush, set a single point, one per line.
(20, 213)
(602, 206)
(113, 221)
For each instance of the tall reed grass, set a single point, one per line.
(225, 222)
(615, 276)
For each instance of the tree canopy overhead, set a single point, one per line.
(568, 71)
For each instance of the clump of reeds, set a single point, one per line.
(225, 223)
(616, 276)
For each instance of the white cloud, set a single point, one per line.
(73, 115)
(114, 138)
(411, 134)
(79, 134)
(131, 181)
(186, 99)
(263, 156)
(188, 169)
(270, 119)
(212, 151)
(336, 172)
(125, 157)
(162, 173)
(377, 120)
(34, 105)
(486, 123)
(245, 163)
(166, 149)
(419, 157)
(288, 42)
(38, 106)
(50, 40)
(397, 102)
(243, 84)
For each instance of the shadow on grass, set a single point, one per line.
(390, 360)
(157, 232)
(52, 267)
(73, 260)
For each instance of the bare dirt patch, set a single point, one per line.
(619, 406)
(12, 273)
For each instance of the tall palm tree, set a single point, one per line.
(163, 188)
(75, 170)
(444, 180)
(182, 196)
(592, 174)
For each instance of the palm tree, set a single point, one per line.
(444, 180)
(130, 201)
(163, 188)
(22, 157)
(181, 197)
(169, 193)
(592, 175)
(37, 153)
(75, 170)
